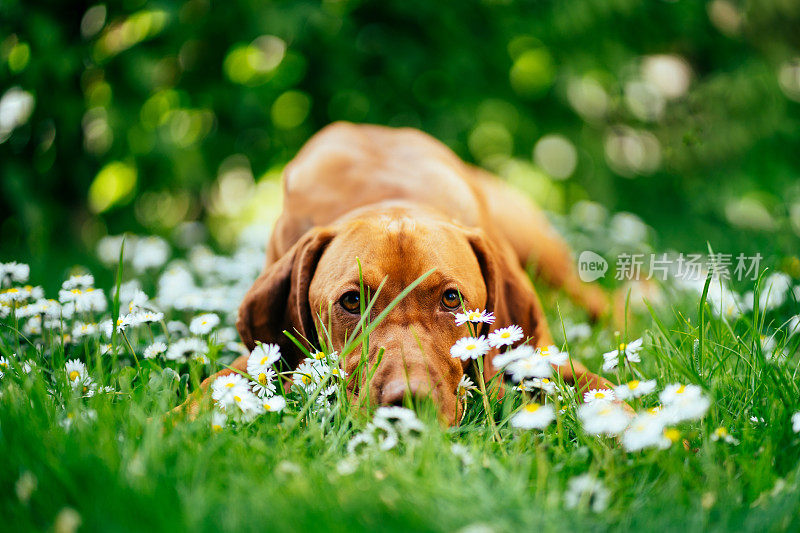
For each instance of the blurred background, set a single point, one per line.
(176, 118)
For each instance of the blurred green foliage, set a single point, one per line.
(147, 114)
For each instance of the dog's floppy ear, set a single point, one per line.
(278, 299)
(509, 292)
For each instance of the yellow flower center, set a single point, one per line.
(335, 371)
(672, 434)
(532, 407)
(305, 379)
(470, 347)
(74, 375)
(721, 432)
(262, 378)
(267, 406)
(633, 384)
(216, 427)
(237, 399)
(545, 351)
(599, 395)
(545, 381)
(4, 365)
(505, 335)
(681, 389)
(622, 347)
(75, 291)
(319, 355)
(264, 360)
(229, 385)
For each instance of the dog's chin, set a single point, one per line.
(447, 409)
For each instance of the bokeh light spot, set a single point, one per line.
(533, 73)
(113, 184)
(290, 109)
(556, 155)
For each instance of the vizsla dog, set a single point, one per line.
(404, 204)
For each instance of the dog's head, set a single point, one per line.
(317, 282)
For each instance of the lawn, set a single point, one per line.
(92, 443)
(641, 127)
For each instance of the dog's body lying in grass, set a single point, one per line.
(403, 204)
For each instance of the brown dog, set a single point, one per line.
(404, 204)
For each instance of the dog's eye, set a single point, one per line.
(450, 299)
(350, 301)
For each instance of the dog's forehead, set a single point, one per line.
(401, 247)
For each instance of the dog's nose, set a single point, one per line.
(395, 392)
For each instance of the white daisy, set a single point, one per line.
(262, 358)
(502, 360)
(273, 404)
(603, 418)
(645, 431)
(545, 384)
(81, 330)
(78, 282)
(533, 416)
(395, 414)
(383, 433)
(263, 385)
(588, 490)
(307, 376)
(184, 349)
(475, 316)
(505, 336)
(154, 350)
(76, 371)
(465, 388)
(360, 443)
(13, 272)
(721, 433)
(675, 391)
(218, 420)
(552, 355)
(203, 324)
(4, 366)
(531, 367)
(686, 408)
(233, 395)
(630, 351)
(774, 290)
(470, 348)
(635, 389)
(578, 332)
(598, 395)
(796, 422)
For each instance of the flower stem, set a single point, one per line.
(486, 406)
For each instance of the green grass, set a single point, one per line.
(132, 468)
